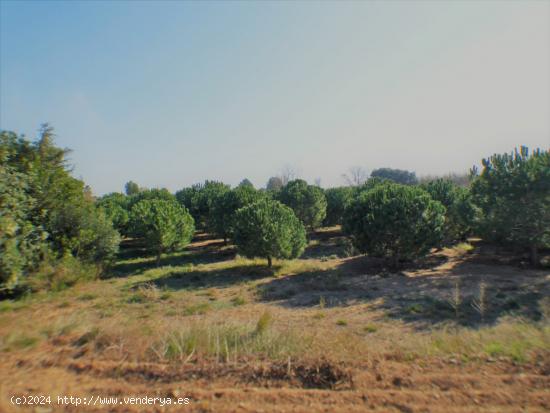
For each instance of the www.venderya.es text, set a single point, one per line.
(96, 400)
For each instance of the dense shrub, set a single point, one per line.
(46, 214)
(460, 210)
(164, 225)
(268, 229)
(20, 240)
(307, 201)
(85, 232)
(513, 192)
(394, 221)
(396, 175)
(337, 200)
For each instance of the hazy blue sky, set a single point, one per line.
(170, 93)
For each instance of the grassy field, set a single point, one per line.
(466, 330)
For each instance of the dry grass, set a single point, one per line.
(143, 318)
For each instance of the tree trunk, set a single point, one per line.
(534, 255)
(269, 263)
(158, 258)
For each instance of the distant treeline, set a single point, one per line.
(54, 232)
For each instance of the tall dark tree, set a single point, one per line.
(55, 205)
(513, 192)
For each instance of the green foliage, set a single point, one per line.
(131, 188)
(396, 175)
(116, 208)
(225, 206)
(268, 229)
(460, 210)
(199, 200)
(337, 200)
(164, 225)
(150, 194)
(45, 213)
(307, 201)
(395, 221)
(20, 240)
(513, 192)
(371, 183)
(59, 274)
(85, 232)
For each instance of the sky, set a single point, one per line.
(170, 93)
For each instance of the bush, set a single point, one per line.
(85, 232)
(268, 229)
(513, 192)
(164, 225)
(395, 221)
(460, 210)
(307, 201)
(337, 200)
(57, 275)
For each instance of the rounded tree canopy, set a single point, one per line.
(268, 229)
(164, 225)
(395, 221)
(225, 206)
(307, 201)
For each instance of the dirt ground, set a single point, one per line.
(364, 317)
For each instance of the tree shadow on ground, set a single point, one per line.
(424, 294)
(210, 253)
(218, 278)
